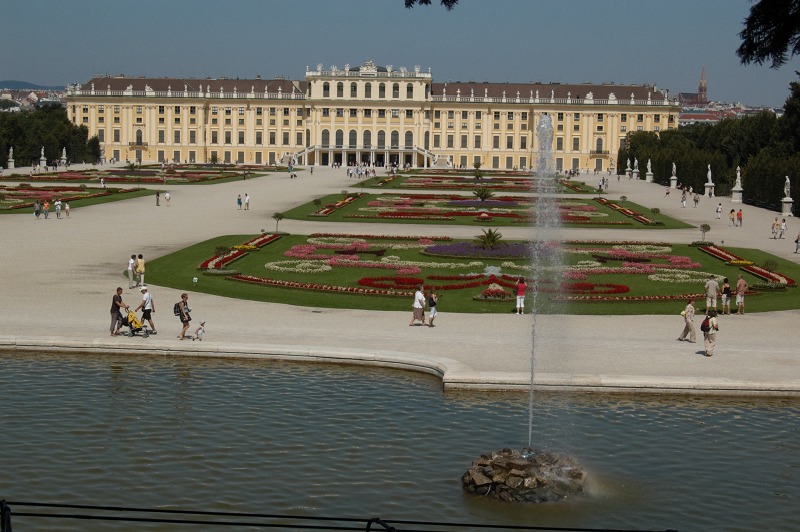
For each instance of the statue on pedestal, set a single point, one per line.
(628, 167)
(738, 183)
(42, 156)
(11, 152)
(674, 169)
(708, 175)
(649, 167)
(636, 164)
(787, 188)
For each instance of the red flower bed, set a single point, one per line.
(317, 286)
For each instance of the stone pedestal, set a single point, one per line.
(63, 161)
(786, 206)
(43, 162)
(648, 177)
(11, 163)
(636, 174)
(673, 182)
(710, 189)
(736, 194)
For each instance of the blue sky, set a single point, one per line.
(666, 42)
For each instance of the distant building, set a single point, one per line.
(696, 99)
(365, 114)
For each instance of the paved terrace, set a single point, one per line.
(57, 278)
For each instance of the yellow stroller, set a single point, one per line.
(135, 324)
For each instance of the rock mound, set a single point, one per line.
(525, 476)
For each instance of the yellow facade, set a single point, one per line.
(366, 114)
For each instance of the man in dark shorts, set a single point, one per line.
(116, 312)
(148, 308)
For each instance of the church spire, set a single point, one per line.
(702, 90)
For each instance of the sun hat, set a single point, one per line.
(143, 288)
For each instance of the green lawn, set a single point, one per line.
(117, 194)
(178, 269)
(420, 208)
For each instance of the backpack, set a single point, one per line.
(705, 326)
(177, 309)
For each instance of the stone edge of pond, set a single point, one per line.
(453, 374)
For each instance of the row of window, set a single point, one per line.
(326, 90)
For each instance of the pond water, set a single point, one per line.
(321, 440)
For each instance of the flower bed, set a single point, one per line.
(773, 277)
(325, 211)
(217, 262)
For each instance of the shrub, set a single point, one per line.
(770, 265)
(221, 250)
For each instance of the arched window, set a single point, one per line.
(340, 90)
(599, 144)
(381, 90)
(381, 139)
(409, 139)
(339, 138)
(353, 138)
(410, 91)
(326, 90)
(368, 139)
(326, 138)
(395, 139)
(353, 90)
(395, 90)
(368, 90)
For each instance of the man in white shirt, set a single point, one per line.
(418, 306)
(148, 308)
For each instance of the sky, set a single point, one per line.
(666, 42)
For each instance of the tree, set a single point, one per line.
(483, 193)
(93, 148)
(478, 173)
(771, 33)
(278, 216)
(214, 159)
(449, 4)
(704, 228)
(490, 239)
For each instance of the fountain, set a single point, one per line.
(533, 475)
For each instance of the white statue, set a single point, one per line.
(11, 152)
(708, 174)
(738, 177)
(628, 167)
(674, 169)
(636, 164)
(42, 152)
(649, 167)
(63, 153)
(787, 188)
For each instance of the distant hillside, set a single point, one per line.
(24, 85)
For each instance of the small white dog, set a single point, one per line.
(199, 332)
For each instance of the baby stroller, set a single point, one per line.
(135, 324)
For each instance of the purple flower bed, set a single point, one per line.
(488, 204)
(468, 249)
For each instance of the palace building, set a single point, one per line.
(364, 114)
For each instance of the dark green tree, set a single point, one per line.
(771, 33)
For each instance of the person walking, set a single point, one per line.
(57, 205)
(167, 198)
(131, 272)
(433, 299)
(37, 209)
(782, 229)
(797, 244)
(741, 290)
(696, 199)
(719, 211)
(418, 306)
(184, 310)
(66, 208)
(726, 296)
(158, 198)
(732, 216)
(710, 335)
(140, 270)
(46, 209)
(775, 226)
(712, 290)
(739, 217)
(247, 202)
(688, 325)
(239, 202)
(148, 307)
(520, 292)
(683, 200)
(116, 312)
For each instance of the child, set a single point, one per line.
(199, 332)
(433, 299)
